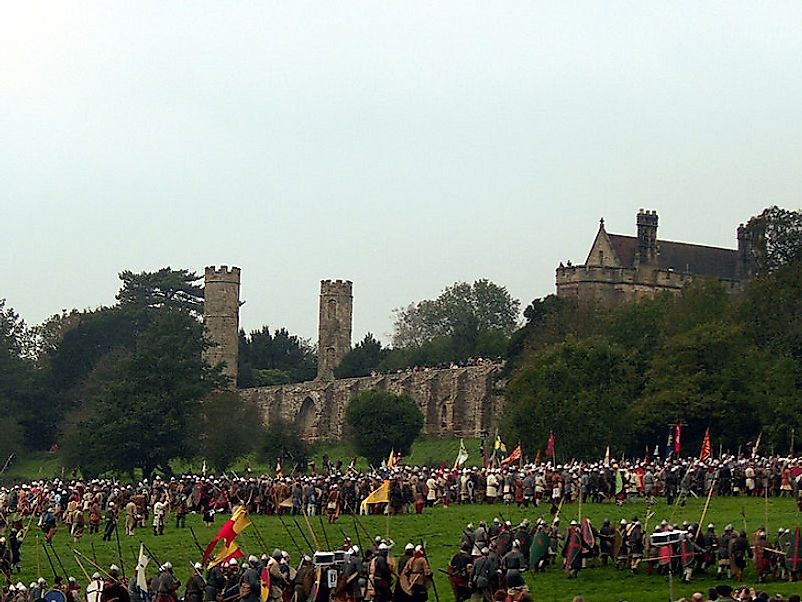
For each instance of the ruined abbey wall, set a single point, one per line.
(463, 401)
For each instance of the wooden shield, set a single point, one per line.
(618, 542)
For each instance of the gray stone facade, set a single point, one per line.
(334, 325)
(464, 401)
(623, 268)
(221, 318)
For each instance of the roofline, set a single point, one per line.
(676, 242)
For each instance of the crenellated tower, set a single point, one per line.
(334, 325)
(647, 236)
(221, 318)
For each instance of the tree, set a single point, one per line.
(283, 440)
(708, 376)
(229, 427)
(270, 359)
(579, 390)
(165, 288)
(17, 380)
(142, 418)
(462, 310)
(776, 235)
(381, 421)
(364, 358)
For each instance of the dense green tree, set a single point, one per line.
(580, 391)
(776, 235)
(142, 418)
(282, 440)
(17, 381)
(364, 358)
(163, 289)
(228, 427)
(271, 359)
(380, 421)
(462, 310)
(707, 376)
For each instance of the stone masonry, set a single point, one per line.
(221, 317)
(455, 401)
(461, 401)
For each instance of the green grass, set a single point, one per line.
(440, 528)
(429, 451)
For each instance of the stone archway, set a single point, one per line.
(306, 420)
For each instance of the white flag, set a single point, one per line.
(462, 456)
(141, 565)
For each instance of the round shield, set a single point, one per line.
(55, 595)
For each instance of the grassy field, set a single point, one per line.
(440, 528)
(429, 451)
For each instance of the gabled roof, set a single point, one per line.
(681, 257)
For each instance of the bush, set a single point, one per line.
(381, 421)
(283, 440)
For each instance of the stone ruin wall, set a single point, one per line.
(463, 401)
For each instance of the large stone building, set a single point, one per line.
(456, 401)
(622, 268)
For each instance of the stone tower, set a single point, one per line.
(221, 318)
(647, 236)
(334, 325)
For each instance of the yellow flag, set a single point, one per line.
(378, 496)
(391, 459)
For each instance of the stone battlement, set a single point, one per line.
(221, 274)
(336, 287)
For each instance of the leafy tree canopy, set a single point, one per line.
(165, 288)
(365, 358)
(462, 309)
(381, 421)
(267, 358)
(777, 234)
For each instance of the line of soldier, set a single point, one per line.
(493, 556)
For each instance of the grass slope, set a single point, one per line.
(428, 451)
(440, 528)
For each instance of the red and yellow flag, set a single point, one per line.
(704, 454)
(513, 457)
(238, 522)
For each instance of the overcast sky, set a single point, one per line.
(402, 145)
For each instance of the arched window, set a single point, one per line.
(331, 309)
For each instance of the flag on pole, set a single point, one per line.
(391, 459)
(607, 456)
(515, 455)
(381, 495)
(462, 455)
(670, 442)
(537, 458)
(279, 471)
(499, 445)
(238, 522)
(704, 453)
(550, 445)
(677, 438)
(141, 565)
(757, 444)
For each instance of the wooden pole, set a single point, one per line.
(707, 505)
(311, 530)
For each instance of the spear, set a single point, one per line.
(311, 531)
(325, 535)
(119, 549)
(94, 564)
(50, 562)
(61, 566)
(298, 526)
